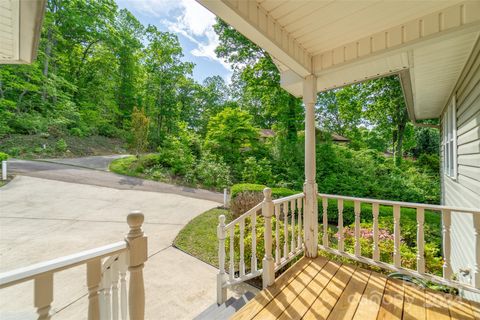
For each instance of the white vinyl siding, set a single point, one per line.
(465, 190)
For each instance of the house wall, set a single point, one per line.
(464, 191)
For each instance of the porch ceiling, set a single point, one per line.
(344, 42)
(20, 25)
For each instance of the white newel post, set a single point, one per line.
(221, 289)
(94, 277)
(268, 262)
(4, 170)
(137, 255)
(43, 295)
(310, 186)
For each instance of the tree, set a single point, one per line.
(164, 70)
(140, 128)
(128, 35)
(230, 133)
(385, 108)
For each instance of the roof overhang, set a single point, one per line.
(344, 42)
(20, 28)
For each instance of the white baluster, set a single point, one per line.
(476, 266)
(232, 253)
(221, 289)
(254, 242)
(122, 266)
(325, 222)
(285, 229)
(242, 250)
(277, 234)
(447, 266)
(102, 298)
(396, 236)
(420, 240)
(299, 207)
(376, 248)
(268, 264)
(137, 245)
(341, 245)
(107, 292)
(292, 209)
(43, 295)
(94, 277)
(115, 277)
(357, 210)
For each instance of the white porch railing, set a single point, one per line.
(287, 236)
(102, 278)
(446, 212)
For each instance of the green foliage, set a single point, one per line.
(366, 173)
(237, 189)
(3, 156)
(140, 128)
(231, 135)
(211, 172)
(61, 145)
(258, 171)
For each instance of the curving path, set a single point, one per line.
(79, 170)
(44, 217)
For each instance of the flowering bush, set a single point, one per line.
(408, 253)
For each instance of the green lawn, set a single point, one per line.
(199, 236)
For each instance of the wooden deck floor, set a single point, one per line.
(323, 289)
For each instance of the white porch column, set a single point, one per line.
(310, 186)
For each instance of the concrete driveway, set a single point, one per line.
(77, 171)
(42, 219)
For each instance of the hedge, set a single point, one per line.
(250, 187)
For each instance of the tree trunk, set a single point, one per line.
(398, 153)
(48, 52)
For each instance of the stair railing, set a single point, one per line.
(102, 279)
(285, 234)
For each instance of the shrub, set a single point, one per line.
(258, 188)
(260, 232)
(176, 155)
(212, 172)
(3, 156)
(244, 201)
(61, 145)
(245, 196)
(258, 171)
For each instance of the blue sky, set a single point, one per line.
(192, 23)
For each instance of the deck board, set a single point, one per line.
(279, 303)
(305, 299)
(372, 298)
(323, 289)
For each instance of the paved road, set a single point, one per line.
(73, 173)
(93, 162)
(44, 219)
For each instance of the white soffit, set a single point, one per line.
(20, 27)
(343, 42)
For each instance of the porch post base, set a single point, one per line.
(311, 219)
(268, 276)
(221, 290)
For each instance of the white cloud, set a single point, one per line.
(186, 17)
